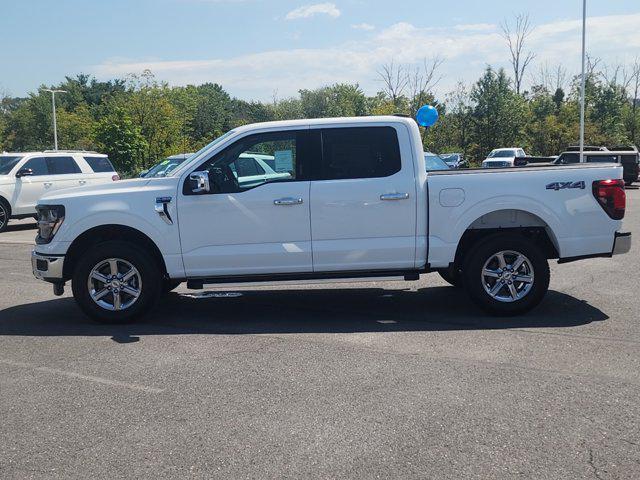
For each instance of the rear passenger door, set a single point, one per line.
(363, 203)
(64, 172)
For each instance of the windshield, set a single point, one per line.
(502, 154)
(450, 158)
(165, 167)
(7, 163)
(434, 162)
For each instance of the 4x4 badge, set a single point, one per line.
(563, 185)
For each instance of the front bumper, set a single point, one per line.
(47, 267)
(621, 243)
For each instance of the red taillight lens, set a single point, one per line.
(115, 178)
(610, 195)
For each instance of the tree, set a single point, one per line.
(422, 80)
(395, 80)
(118, 136)
(499, 114)
(516, 37)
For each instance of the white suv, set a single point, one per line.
(25, 177)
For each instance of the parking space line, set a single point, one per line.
(79, 376)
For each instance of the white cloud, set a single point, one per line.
(466, 51)
(307, 11)
(476, 27)
(363, 26)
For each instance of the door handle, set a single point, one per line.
(394, 196)
(287, 201)
(82, 182)
(47, 184)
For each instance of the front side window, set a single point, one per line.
(235, 169)
(37, 165)
(62, 165)
(361, 152)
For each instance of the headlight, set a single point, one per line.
(50, 217)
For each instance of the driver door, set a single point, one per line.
(30, 188)
(246, 225)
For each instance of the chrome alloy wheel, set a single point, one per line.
(114, 284)
(507, 276)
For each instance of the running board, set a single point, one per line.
(319, 277)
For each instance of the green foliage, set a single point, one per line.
(118, 136)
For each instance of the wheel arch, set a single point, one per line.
(103, 233)
(511, 220)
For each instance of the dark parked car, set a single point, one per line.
(629, 158)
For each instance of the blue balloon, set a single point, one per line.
(427, 116)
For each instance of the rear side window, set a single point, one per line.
(570, 158)
(38, 165)
(99, 164)
(363, 152)
(602, 158)
(62, 165)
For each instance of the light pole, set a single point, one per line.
(53, 104)
(583, 79)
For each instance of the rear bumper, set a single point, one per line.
(621, 243)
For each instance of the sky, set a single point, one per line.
(261, 49)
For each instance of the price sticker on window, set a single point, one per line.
(283, 161)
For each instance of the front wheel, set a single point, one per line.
(506, 274)
(116, 282)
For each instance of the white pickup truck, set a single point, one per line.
(358, 203)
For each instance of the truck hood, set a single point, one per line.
(6, 180)
(119, 188)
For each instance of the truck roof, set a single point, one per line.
(327, 121)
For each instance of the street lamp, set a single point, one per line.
(53, 104)
(583, 80)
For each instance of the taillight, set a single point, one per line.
(115, 177)
(611, 197)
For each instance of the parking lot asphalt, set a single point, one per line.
(368, 380)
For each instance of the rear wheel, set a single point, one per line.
(506, 274)
(116, 282)
(5, 213)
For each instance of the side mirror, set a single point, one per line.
(143, 173)
(200, 182)
(24, 172)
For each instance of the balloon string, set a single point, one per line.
(424, 136)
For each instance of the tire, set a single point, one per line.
(5, 213)
(450, 276)
(504, 298)
(169, 285)
(146, 280)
